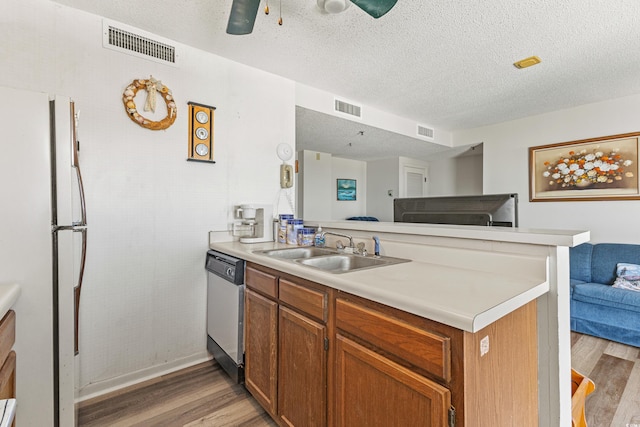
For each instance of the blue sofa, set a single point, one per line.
(596, 307)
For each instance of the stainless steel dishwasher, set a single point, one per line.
(225, 312)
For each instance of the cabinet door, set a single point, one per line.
(302, 392)
(372, 390)
(261, 329)
(8, 377)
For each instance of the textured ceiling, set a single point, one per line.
(351, 140)
(444, 63)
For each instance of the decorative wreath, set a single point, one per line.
(152, 86)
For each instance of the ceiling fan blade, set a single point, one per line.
(242, 17)
(375, 8)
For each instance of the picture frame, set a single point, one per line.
(604, 168)
(346, 189)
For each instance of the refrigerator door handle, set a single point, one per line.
(75, 162)
(78, 226)
(78, 288)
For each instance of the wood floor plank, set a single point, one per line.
(199, 395)
(153, 397)
(586, 352)
(177, 406)
(630, 401)
(195, 409)
(610, 376)
(575, 338)
(244, 412)
(622, 351)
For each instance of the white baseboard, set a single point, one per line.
(112, 384)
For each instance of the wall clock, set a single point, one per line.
(200, 132)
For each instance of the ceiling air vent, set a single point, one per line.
(135, 42)
(346, 108)
(425, 132)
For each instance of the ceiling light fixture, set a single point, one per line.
(527, 62)
(333, 6)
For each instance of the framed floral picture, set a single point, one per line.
(346, 189)
(604, 168)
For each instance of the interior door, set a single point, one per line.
(415, 180)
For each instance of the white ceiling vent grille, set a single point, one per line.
(135, 42)
(425, 132)
(346, 108)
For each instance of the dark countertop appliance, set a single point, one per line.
(499, 210)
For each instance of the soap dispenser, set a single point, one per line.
(319, 240)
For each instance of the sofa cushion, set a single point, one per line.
(597, 293)
(605, 258)
(580, 262)
(572, 284)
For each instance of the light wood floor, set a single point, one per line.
(615, 370)
(203, 395)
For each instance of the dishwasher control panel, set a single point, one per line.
(225, 266)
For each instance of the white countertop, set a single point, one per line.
(9, 294)
(463, 298)
(533, 236)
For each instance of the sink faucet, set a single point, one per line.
(376, 250)
(340, 235)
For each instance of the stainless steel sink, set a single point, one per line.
(330, 260)
(298, 252)
(344, 263)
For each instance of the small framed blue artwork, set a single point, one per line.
(346, 189)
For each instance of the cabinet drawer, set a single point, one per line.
(7, 334)
(309, 301)
(423, 349)
(262, 282)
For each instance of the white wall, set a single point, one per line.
(455, 176)
(468, 175)
(315, 178)
(442, 177)
(382, 177)
(143, 301)
(506, 167)
(318, 175)
(348, 169)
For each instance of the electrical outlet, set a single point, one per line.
(484, 346)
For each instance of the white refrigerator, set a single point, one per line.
(42, 248)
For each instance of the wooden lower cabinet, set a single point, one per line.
(372, 390)
(302, 377)
(285, 347)
(261, 340)
(316, 356)
(387, 357)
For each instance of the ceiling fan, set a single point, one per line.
(243, 12)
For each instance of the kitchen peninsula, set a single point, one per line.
(465, 291)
